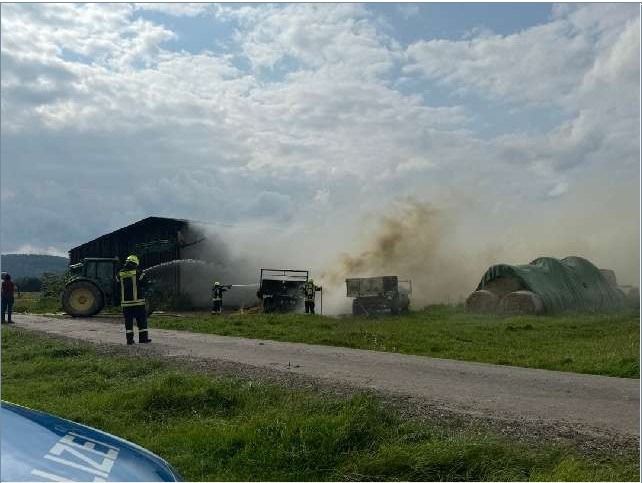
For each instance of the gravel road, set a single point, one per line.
(598, 404)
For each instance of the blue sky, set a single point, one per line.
(409, 21)
(320, 118)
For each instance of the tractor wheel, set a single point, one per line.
(82, 299)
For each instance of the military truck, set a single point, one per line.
(281, 290)
(379, 295)
(93, 286)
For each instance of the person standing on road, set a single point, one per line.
(309, 292)
(132, 300)
(217, 297)
(8, 293)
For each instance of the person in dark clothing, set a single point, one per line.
(8, 294)
(217, 297)
(132, 300)
(309, 292)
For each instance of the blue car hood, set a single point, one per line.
(37, 446)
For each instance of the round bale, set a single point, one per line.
(482, 302)
(522, 302)
(501, 286)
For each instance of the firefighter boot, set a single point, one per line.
(143, 337)
(130, 338)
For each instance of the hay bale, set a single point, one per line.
(609, 275)
(632, 295)
(482, 302)
(522, 302)
(501, 286)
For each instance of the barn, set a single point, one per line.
(198, 245)
(154, 240)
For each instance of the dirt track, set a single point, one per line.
(597, 404)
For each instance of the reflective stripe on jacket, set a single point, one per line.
(308, 290)
(129, 288)
(217, 292)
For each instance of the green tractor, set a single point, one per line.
(92, 286)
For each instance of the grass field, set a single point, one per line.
(232, 429)
(592, 344)
(33, 303)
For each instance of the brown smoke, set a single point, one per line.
(445, 250)
(411, 242)
(412, 226)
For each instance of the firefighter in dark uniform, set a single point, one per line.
(132, 300)
(217, 297)
(309, 292)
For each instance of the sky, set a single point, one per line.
(518, 123)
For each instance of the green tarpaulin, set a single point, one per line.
(572, 283)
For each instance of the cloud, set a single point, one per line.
(341, 35)
(531, 66)
(41, 250)
(176, 9)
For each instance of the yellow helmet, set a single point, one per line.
(217, 283)
(133, 259)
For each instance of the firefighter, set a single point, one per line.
(217, 297)
(309, 292)
(132, 300)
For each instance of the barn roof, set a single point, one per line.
(144, 221)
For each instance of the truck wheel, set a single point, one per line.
(358, 308)
(267, 306)
(82, 299)
(394, 306)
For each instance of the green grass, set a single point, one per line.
(33, 303)
(234, 429)
(591, 344)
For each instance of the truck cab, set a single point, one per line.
(379, 295)
(281, 290)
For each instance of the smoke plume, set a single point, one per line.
(442, 247)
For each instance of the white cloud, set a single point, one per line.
(40, 250)
(543, 64)
(176, 9)
(315, 35)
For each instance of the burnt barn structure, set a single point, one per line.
(154, 240)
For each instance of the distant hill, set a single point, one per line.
(18, 265)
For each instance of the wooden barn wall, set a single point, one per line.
(121, 244)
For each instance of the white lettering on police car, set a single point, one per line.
(72, 443)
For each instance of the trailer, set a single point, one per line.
(379, 295)
(281, 290)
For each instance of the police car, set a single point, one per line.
(37, 446)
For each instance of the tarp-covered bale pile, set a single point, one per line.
(546, 285)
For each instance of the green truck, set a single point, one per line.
(379, 295)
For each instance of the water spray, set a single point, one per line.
(175, 262)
